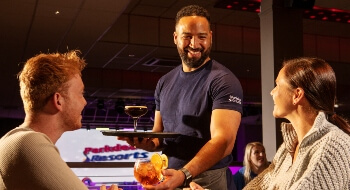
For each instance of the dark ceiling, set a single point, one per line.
(128, 45)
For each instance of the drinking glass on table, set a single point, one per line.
(135, 112)
(148, 171)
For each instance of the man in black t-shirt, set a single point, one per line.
(200, 99)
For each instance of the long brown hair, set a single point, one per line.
(317, 78)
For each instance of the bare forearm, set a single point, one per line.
(158, 144)
(211, 153)
(158, 127)
(223, 130)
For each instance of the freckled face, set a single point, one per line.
(282, 97)
(193, 39)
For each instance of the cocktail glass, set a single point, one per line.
(148, 171)
(135, 112)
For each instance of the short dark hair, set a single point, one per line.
(192, 10)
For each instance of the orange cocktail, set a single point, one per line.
(148, 171)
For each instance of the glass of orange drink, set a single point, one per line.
(148, 171)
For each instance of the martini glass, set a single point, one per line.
(135, 112)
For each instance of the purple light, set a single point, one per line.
(234, 169)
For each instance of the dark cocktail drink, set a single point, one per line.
(135, 112)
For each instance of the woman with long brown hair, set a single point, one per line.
(316, 149)
(315, 153)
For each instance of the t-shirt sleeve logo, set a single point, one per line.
(235, 99)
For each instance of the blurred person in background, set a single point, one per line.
(52, 91)
(254, 163)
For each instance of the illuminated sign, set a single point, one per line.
(95, 157)
(92, 146)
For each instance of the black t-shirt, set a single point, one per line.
(186, 100)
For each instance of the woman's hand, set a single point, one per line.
(195, 186)
(112, 187)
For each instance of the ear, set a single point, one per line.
(58, 101)
(298, 95)
(211, 36)
(175, 38)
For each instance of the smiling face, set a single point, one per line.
(193, 39)
(74, 104)
(258, 157)
(282, 97)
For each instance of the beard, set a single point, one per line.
(193, 62)
(71, 117)
(71, 121)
